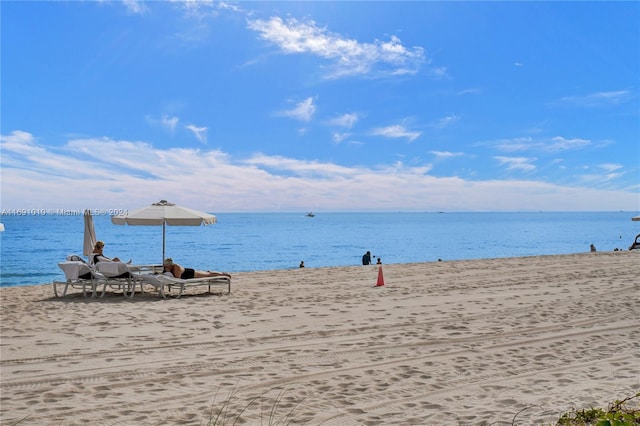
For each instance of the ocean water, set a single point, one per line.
(31, 246)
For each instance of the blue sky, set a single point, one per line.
(322, 106)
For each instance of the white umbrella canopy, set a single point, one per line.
(89, 234)
(164, 213)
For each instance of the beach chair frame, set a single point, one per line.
(182, 284)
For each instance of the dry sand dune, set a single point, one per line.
(446, 343)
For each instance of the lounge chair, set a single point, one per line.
(79, 274)
(152, 280)
(164, 281)
(128, 276)
(125, 276)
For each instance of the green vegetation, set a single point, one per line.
(620, 413)
(624, 412)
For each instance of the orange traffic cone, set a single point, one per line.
(380, 278)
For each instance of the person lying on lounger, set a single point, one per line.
(179, 271)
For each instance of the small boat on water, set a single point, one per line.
(310, 214)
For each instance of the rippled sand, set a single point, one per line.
(465, 342)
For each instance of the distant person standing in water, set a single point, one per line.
(366, 258)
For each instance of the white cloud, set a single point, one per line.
(527, 143)
(609, 167)
(471, 91)
(439, 72)
(611, 172)
(136, 7)
(597, 99)
(199, 132)
(597, 179)
(195, 27)
(396, 131)
(303, 111)
(446, 121)
(340, 137)
(300, 167)
(345, 120)
(228, 6)
(348, 57)
(517, 163)
(170, 122)
(446, 154)
(126, 174)
(20, 142)
(559, 143)
(195, 7)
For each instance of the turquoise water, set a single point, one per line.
(31, 246)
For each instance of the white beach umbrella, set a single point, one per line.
(89, 234)
(164, 213)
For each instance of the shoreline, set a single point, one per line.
(280, 241)
(451, 342)
(293, 268)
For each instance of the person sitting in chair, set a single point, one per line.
(98, 255)
(179, 271)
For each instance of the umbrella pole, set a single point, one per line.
(163, 229)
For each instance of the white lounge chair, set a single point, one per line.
(123, 276)
(150, 279)
(81, 275)
(164, 281)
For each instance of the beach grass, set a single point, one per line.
(624, 412)
(225, 414)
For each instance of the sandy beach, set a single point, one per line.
(445, 343)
